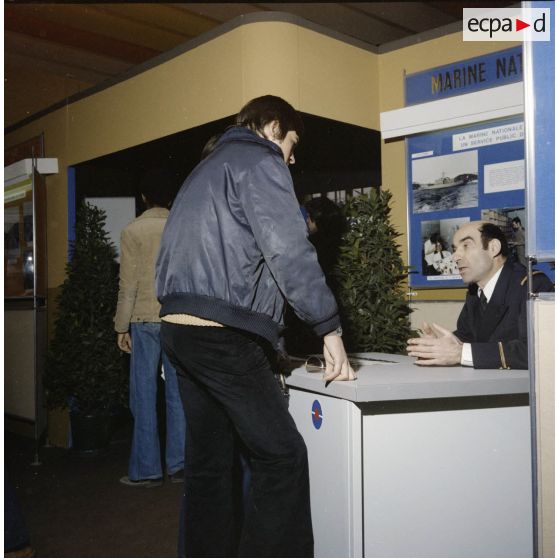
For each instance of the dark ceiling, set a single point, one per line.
(53, 51)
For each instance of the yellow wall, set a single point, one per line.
(392, 69)
(315, 73)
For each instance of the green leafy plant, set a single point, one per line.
(84, 364)
(369, 277)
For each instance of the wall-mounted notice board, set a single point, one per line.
(459, 175)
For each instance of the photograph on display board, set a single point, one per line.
(512, 222)
(437, 257)
(445, 182)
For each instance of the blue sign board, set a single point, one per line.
(492, 70)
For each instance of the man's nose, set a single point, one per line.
(456, 256)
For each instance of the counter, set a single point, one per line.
(411, 462)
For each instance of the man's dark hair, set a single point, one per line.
(158, 186)
(488, 231)
(259, 112)
(516, 220)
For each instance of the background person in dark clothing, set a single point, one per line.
(326, 225)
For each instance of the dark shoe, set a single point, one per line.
(145, 483)
(177, 477)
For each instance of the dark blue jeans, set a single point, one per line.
(145, 456)
(227, 386)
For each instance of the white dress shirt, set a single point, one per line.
(467, 352)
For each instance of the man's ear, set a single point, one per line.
(494, 247)
(275, 129)
(272, 130)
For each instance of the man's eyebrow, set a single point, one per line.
(460, 241)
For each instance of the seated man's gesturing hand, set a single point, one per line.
(439, 348)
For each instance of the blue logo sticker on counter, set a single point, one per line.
(317, 414)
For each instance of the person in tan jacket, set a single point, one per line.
(137, 325)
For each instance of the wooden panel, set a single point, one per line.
(347, 21)
(220, 12)
(455, 9)
(72, 37)
(21, 101)
(164, 17)
(54, 55)
(419, 16)
(100, 18)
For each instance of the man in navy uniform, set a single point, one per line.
(492, 327)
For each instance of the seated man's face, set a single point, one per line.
(475, 264)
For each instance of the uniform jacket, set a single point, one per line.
(498, 336)
(139, 246)
(235, 246)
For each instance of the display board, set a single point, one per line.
(461, 175)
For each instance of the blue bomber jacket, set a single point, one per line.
(235, 245)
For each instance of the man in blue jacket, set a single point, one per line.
(234, 249)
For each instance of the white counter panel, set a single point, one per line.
(335, 462)
(448, 484)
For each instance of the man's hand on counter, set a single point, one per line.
(436, 347)
(337, 362)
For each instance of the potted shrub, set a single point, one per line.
(85, 369)
(370, 278)
(367, 281)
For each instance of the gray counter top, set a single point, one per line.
(400, 379)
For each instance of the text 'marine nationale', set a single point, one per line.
(466, 76)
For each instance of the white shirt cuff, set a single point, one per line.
(467, 355)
